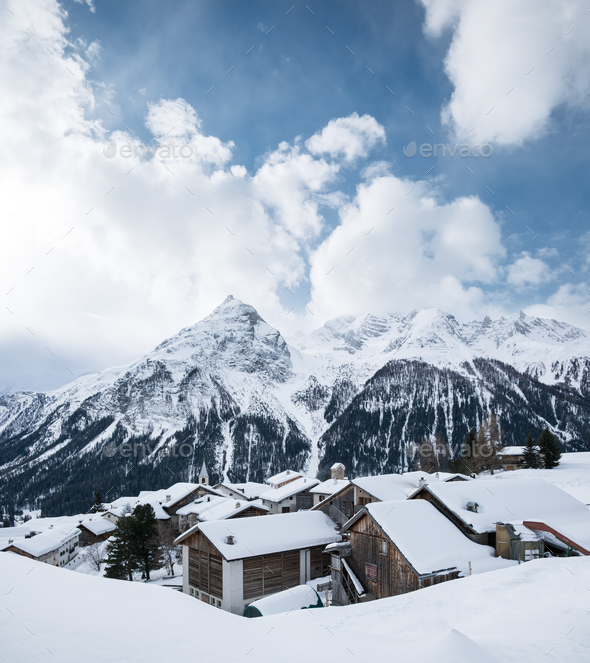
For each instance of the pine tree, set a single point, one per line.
(122, 558)
(145, 538)
(531, 457)
(550, 449)
(462, 462)
(97, 504)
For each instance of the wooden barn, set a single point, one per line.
(230, 564)
(95, 530)
(399, 547)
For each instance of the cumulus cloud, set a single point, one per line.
(146, 243)
(419, 254)
(351, 137)
(527, 272)
(514, 57)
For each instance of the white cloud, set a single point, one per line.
(130, 239)
(493, 49)
(528, 272)
(90, 4)
(351, 137)
(420, 254)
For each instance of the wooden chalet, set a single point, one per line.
(511, 458)
(231, 564)
(351, 496)
(95, 530)
(399, 547)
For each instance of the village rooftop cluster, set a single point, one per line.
(296, 542)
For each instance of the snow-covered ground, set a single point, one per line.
(532, 612)
(572, 475)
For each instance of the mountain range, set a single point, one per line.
(362, 390)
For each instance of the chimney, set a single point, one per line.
(421, 482)
(238, 505)
(230, 540)
(50, 526)
(168, 498)
(10, 540)
(288, 472)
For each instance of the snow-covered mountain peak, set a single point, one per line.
(233, 336)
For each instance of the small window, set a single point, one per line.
(384, 547)
(371, 571)
(291, 497)
(192, 592)
(321, 498)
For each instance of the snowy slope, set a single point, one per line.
(528, 613)
(572, 475)
(231, 390)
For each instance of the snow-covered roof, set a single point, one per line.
(337, 466)
(164, 497)
(511, 451)
(41, 544)
(287, 475)
(250, 489)
(428, 540)
(268, 534)
(218, 508)
(388, 487)
(14, 532)
(292, 488)
(525, 533)
(176, 492)
(98, 526)
(330, 486)
(505, 501)
(294, 598)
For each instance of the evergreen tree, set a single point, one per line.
(550, 449)
(97, 504)
(122, 558)
(145, 538)
(531, 457)
(462, 462)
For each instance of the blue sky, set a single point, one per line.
(300, 76)
(149, 260)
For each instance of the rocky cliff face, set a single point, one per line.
(230, 389)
